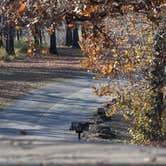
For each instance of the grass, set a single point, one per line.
(3, 53)
(20, 48)
(5, 56)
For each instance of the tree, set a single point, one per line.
(69, 34)
(36, 15)
(75, 37)
(111, 56)
(1, 31)
(53, 49)
(10, 39)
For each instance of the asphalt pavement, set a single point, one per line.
(34, 130)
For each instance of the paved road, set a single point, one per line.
(45, 116)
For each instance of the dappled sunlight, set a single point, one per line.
(49, 111)
(20, 76)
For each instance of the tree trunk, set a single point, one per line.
(40, 35)
(1, 41)
(156, 80)
(18, 34)
(36, 35)
(1, 31)
(75, 38)
(36, 39)
(69, 40)
(10, 40)
(53, 48)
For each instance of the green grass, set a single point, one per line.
(3, 53)
(20, 48)
(5, 56)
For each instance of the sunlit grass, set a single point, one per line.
(20, 48)
(3, 53)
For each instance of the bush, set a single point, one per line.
(137, 105)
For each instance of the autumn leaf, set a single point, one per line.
(71, 25)
(110, 68)
(44, 51)
(94, 58)
(86, 13)
(111, 112)
(126, 118)
(127, 53)
(18, 27)
(22, 7)
(104, 70)
(30, 52)
(128, 67)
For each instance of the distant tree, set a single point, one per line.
(69, 36)
(10, 35)
(1, 41)
(75, 37)
(53, 48)
(1, 31)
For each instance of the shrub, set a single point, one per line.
(137, 106)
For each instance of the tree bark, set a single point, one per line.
(75, 38)
(1, 41)
(18, 34)
(69, 40)
(36, 35)
(10, 40)
(53, 48)
(1, 31)
(40, 35)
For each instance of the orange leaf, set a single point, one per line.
(104, 70)
(71, 25)
(29, 51)
(128, 67)
(22, 7)
(110, 68)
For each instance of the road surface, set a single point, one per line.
(35, 130)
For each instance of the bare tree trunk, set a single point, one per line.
(40, 36)
(36, 35)
(1, 41)
(69, 37)
(75, 38)
(10, 40)
(53, 48)
(18, 34)
(1, 31)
